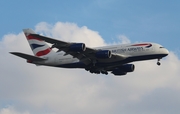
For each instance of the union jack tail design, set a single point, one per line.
(38, 46)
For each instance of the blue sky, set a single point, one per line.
(140, 20)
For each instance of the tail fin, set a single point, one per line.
(38, 46)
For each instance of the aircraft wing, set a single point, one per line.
(88, 56)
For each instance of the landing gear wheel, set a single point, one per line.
(158, 63)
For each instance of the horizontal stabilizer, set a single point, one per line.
(28, 57)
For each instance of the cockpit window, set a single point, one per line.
(161, 47)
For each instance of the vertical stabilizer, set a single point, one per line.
(39, 47)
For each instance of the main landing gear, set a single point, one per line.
(158, 63)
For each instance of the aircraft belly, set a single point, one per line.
(109, 60)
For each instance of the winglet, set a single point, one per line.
(28, 31)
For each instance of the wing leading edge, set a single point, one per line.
(87, 57)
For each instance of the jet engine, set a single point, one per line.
(103, 54)
(77, 47)
(124, 69)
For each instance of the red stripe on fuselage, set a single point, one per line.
(140, 45)
(31, 37)
(43, 52)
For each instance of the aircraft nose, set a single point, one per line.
(166, 52)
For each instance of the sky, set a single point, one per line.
(28, 89)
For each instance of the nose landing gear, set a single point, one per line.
(158, 63)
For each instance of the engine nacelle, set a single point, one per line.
(103, 54)
(122, 70)
(127, 68)
(119, 73)
(77, 47)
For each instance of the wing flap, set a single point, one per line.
(28, 57)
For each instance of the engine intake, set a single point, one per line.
(77, 47)
(124, 69)
(103, 54)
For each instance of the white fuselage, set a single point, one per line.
(134, 51)
(114, 59)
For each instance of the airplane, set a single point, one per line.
(116, 59)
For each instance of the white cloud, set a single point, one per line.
(10, 110)
(124, 39)
(31, 89)
(71, 32)
(121, 39)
